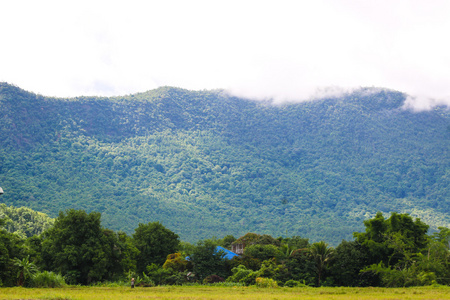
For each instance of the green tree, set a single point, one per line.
(208, 261)
(75, 247)
(322, 255)
(176, 262)
(227, 241)
(263, 252)
(301, 266)
(121, 253)
(349, 259)
(442, 236)
(396, 248)
(393, 241)
(11, 247)
(154, 243)
(26, 269)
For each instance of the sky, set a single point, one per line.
(281, 50)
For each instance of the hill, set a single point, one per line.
(24, 221)
(208, 164)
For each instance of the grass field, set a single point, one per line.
(210, 292)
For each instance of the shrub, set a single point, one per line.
(291, 283)
(213, 279)
(239, 273)
(262, 282)
(144, 281)
(250, 279)
(47, 279)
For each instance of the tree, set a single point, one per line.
(322, 255)
(207, 260)
(395, 248)
(154, 243)
(121, 254)
(26, 269)
(176, 262)
(262, 252)
(393, 241)
(227, 241)
(295, 242)
(349, 259)
(302, 267)
(11, 247)
(75, 247)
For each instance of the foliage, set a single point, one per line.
(349, 259)
(47, 279)
(165, 276)
(213, 279)
(208, 261)
(262, 282)
(322, 255)
(262, 252)
(395, 241)
(11, 248)
(24, 221)
(175, 262)
(266, 239)
(25, 269)
(247, 239)
(206, 163)
(406, 277)
(78, 248)
(154, 242)
(302, 267)
(295, 242)
(227, 241)
(242, 274)
(293, 283)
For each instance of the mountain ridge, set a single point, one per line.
(206, 163)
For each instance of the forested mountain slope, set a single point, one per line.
(207, 164)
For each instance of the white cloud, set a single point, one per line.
(287, 50)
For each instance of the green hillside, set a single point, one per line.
(24, 221)
(208, 164)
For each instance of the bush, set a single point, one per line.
(144, 281)
(291, 283)
(239, 273)
(47, 280)
(243, 275)
(262, 282)
(213, 279)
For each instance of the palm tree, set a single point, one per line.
(26, 269)
(322, 254)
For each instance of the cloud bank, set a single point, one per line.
(285, 50)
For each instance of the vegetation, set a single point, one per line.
(77, 250)
(207, 164)
(24, 221)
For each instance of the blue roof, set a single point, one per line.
(228, 254)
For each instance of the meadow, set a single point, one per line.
(214, 292)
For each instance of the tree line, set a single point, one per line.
(77, 249)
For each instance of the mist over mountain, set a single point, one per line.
(205, 163)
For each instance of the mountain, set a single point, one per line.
(205, 163)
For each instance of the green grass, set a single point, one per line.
(226, 293)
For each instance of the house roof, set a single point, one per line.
(228, 254)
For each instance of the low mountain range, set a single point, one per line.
(206, 163)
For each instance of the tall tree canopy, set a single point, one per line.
(393, 240)
(79, 248)
(155, 242)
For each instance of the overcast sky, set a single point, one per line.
(286, 50)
